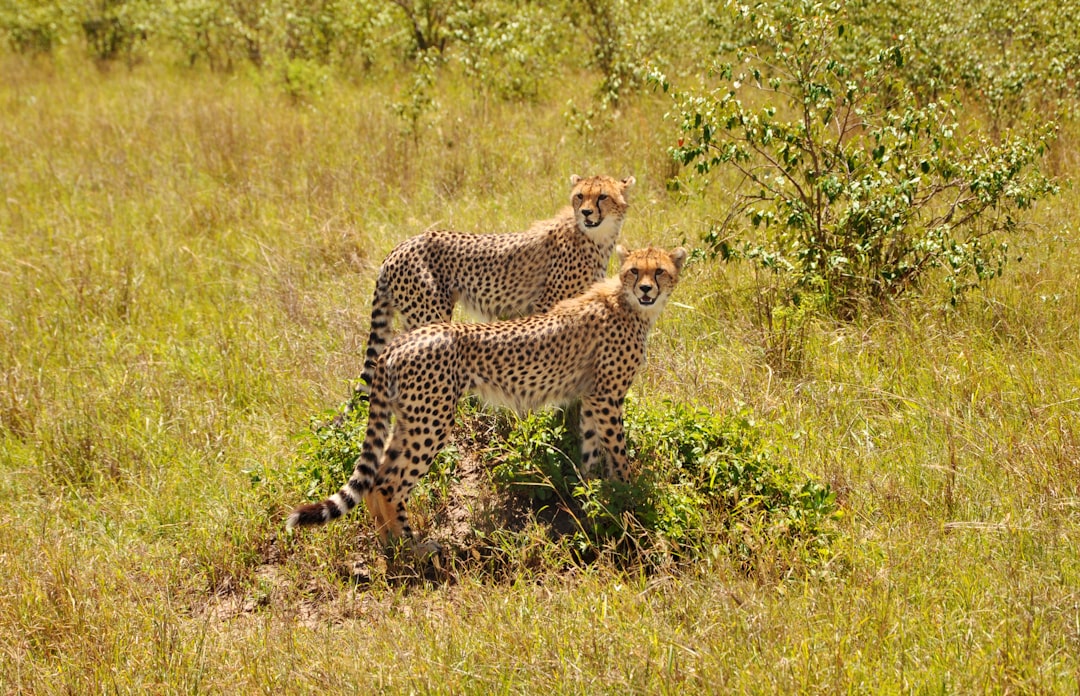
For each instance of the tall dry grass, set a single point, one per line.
(186, 261)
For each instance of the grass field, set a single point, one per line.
(186, 262)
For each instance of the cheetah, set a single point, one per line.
(588, 347)
(498, 276)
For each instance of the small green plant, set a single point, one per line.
(302, 80)
(782, 316)
(857, 189)
(537, 457)
(33, 27)
(418, 101)
(329, 448)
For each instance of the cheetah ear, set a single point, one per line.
(627, 183)
(621, 253)
(574, 179)
(678, 257)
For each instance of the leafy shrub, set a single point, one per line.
(859, 190)
(33, 26)
(302, 80)
(608, 29)
(114, 28)
(330, 32)
(1018, 61)
(428, 23)
(537, 457)
(312, 29)
(200, 30)
(626, 38)
(625, 42)
(222, 33)
(709, 484)
(329, 449)
(705, 479)
(508, 49)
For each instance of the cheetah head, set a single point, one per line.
(599, 205)
(648, 276)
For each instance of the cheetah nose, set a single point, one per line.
(586, 212)
(645, 289)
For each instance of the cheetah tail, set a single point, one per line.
(382, 310)
(361, 481)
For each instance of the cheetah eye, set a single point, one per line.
(634, 271)
(659, 272)
(580, 196)
(602, 197)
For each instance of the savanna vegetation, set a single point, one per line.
(858, 428)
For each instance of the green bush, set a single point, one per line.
(507, 49)
(857, 189)
(329, 449)
(115, 28)
(302, 80)
(427, 23)
(706, 482)
(220, 33)
(34, 26)
(538, 457)
(1016, 61)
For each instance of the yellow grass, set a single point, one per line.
(186, 262)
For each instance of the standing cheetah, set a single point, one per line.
(498, 276)
(588, 347)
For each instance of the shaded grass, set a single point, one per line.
(186, 261)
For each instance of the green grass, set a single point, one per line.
(186, 262)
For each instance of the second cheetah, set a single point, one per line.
(498, 276)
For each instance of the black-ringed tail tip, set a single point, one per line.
(312, 514)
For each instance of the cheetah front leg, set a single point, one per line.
(602, 431)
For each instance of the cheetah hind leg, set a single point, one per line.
(378, 507)
(407, 458)
(384, 516)
(429, 303)
(386, 520)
